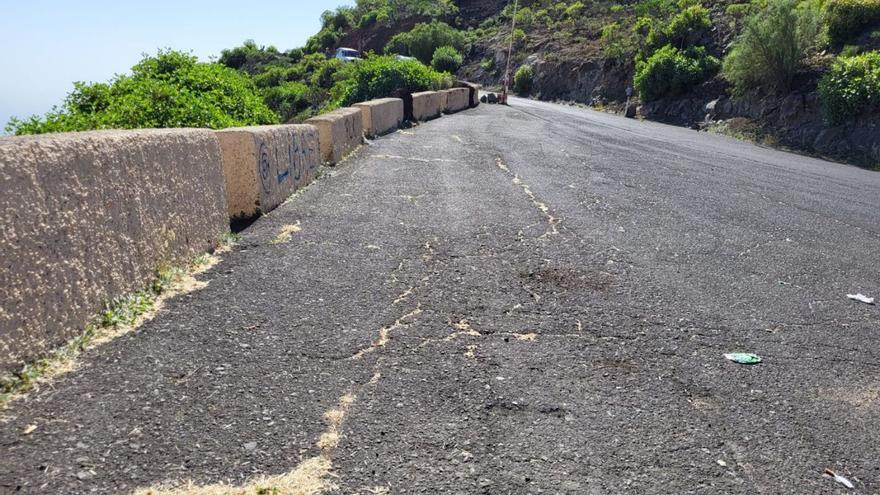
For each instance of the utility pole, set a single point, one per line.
(509, 55)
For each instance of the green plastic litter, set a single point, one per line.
(743, 358)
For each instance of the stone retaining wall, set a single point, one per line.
(87, 217)
(264, 165)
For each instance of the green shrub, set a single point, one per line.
(287, 99)
(739, 10)
(688, 26)
(276, 76)
(523, 80)
(670, 71)
(171, 89)
(254, 59)
(681, 31)
(851, 87)
(574, 10)
(519, 36)
(847, 19)
(446, 59)
(525, 17)
(382, 76)
(772, 46)
(425, 39)
(615, 45)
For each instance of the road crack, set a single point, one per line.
(539, 205)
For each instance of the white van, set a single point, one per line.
(347, 54)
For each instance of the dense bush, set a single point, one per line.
(682, 30)
(670, 71)
(847, 19)
(446, 59)
(425, 39)
(388, 12)
(772, 46)
(171, 89)
(252, 58)
(688, 26)
(288, 99)
(523, 80)
(382, 76)
(851, 87)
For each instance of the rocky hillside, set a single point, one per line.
(686, 60)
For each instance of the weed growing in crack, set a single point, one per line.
(229, 239)
(118, 314)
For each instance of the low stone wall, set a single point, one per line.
(427, 105)
(457, 99)
(473, 92)
(340, 132)
(264, 165)
(381, 116)
(89, 216)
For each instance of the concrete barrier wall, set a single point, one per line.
(381, 116)
(444, 100)
(87, 217)
(473, 90)
(427, 105)
(264, 165)
(340, 132)
(457, 99)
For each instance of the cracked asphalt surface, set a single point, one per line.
(523, 300)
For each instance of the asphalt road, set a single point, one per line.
(523, 300)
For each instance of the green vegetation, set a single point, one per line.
(772, 46)
(380, 76)
(121, 312)
(446, 59)
(851, 87)
(670, 46)
(523, 80)
(847, 19)
(682, 30)
(670, 71)
(425, 39)
(171, 89)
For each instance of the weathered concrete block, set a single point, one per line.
(444, 100)
(339, 132)
(457, 99)
(381, 116)
(87, 217)
(473, 90)
(264, 165)
(427, 105)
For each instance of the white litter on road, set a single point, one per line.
(840, 479)
(861, 298)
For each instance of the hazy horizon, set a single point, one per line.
(56, 44)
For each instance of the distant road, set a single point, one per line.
(522, 300)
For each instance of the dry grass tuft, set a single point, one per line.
(309, 478)
(286, 233)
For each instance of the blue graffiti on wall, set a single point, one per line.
(265, 168)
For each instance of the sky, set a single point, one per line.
(50, 44)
